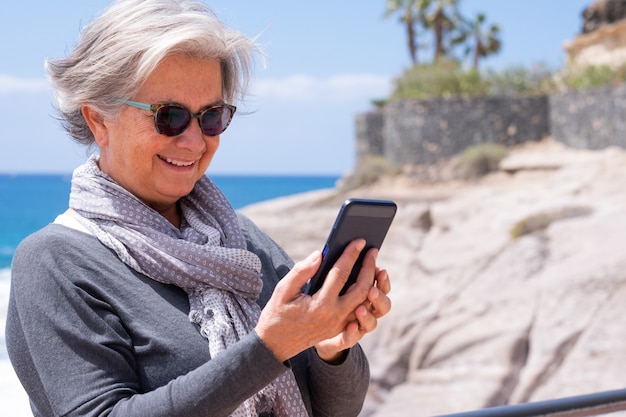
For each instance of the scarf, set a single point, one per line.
(206, 257)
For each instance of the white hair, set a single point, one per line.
(117, 52)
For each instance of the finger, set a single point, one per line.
(357, 293)
(383, 282)
(367, 274)
(380, 303)
(367, 321)
(339, 273)
(352, 334)
(291, 285)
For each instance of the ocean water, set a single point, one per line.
(29, 202)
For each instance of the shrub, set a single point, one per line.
(443, 80)
(368, 170)
(519, 80)
(449, 79)
(540, 221)
(481, 159)
(593, 76)
(531, 224)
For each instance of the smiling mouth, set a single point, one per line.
(176, 162)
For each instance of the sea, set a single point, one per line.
(30, 201)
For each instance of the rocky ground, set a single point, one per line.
(507, 289)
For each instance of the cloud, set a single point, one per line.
(10, 84)
(344, 87)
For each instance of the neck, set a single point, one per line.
(172, 214)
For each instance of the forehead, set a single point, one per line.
(184, 79)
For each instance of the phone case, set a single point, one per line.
(358, 218)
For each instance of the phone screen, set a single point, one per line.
(357, 218)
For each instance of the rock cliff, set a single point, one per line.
(507, 289)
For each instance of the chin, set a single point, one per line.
(183, 191)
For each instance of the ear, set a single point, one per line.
(96, 124)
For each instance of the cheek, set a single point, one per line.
(212, 144)
(133, 141)
(142, 126)
(129, 128)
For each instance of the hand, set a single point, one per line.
(292, 321)
(367, 314)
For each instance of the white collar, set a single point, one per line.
(68, 219)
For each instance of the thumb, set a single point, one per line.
(291, 285)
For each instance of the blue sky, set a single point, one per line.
(326, 61)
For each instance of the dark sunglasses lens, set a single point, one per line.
(172, 120)
(214, 121)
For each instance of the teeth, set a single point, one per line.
(178, 163)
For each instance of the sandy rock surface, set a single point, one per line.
(507, 289)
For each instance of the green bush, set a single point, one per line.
(368, 170)
(539, 222)
(481, 159)
(593, 76)
(519, 80)
(449, 79)
(445, 80)
(531, 224)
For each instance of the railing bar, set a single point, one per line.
(591, 411)
(578, 406)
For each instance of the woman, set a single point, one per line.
(150, 296)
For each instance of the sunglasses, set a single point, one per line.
(172, 119)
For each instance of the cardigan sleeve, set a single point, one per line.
(329, 390)
(89, 337)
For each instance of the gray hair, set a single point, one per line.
(117, 52)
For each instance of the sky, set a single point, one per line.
(326, 61)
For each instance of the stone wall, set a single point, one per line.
(414, 132)
(590, 119)
(369, 134)
(424, 131)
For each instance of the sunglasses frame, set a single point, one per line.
(154, 108)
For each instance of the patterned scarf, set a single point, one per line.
(206, 257)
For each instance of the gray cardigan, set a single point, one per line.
(88, 336)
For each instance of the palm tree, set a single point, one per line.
(412, 16)
(485, 42)
(443, 18)
(449, 28)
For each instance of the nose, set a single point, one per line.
(192, 138)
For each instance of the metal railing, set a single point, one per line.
(578, 406)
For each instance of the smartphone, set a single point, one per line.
(357, 218)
